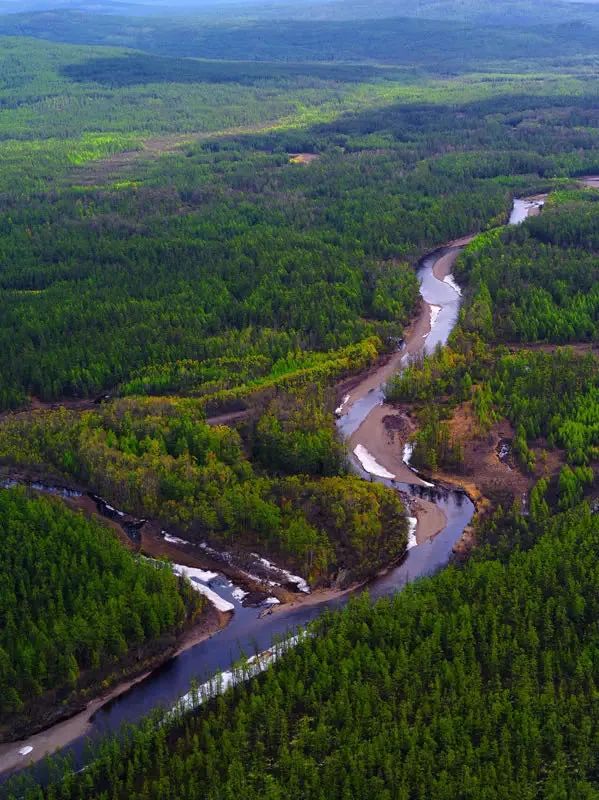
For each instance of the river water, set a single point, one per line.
(250, 631)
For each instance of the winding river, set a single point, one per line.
(249, 631)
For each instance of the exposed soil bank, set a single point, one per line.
(188, 554)
(303, 158)
(431, 519)
(381, 432)
(590, 181)
(444, 265)
(384, 438)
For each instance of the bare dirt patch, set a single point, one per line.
(491, 475)
(431, 520)
(485, 476)
(444, 266)
(384, 433)
(303, 158)
(107, 170)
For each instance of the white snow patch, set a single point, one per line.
(173, 539)
(112, 508)
(224, 680)
(301, 584)
(222, 554)
(24, 751)
(283, 575)
(271, 601)
(257, 579)
(217, 601)
(339, 411)
(450, 281)
(192, 572)
(239, 593)
(408, 449)
(370, 464)
(196, 575)
(412, 525)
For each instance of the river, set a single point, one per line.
(250, 632)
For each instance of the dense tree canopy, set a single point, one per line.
(476, 683)
(202, 241)
(158, 457)
(73, 603)
(539, 280)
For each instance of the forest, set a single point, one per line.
(74, 605)
(538, 282)
(209, 227)
(477, 683)
(202, 254)
(442, 45)
(158, 457)
(525, 285)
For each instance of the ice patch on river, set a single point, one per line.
(450, 281)
(435, 311)
(193, 573)
(412, 525)
(239, 593)
(370, 464)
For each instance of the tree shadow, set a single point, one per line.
(137, 69)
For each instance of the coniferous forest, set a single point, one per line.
(213, 220)
(74, 603)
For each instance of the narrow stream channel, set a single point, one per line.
(249, 631)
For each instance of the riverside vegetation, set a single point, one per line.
(404, 698)
(532, 285)
(158, 245)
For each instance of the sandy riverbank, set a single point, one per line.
(431, 520)
(590, 181)
(16, 755)
(415, 336)
(385, 442)
(444, 265)
(385, 431)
